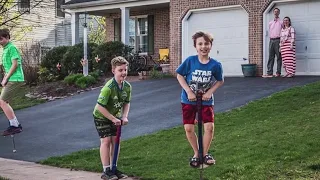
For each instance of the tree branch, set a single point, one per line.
(19, 15)
(3, 3)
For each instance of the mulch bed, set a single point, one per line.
(59, 90)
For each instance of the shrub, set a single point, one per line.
(52, 58)
(71, 64)
(45, 75)
(31, 76)
(85, 81)
(31, 54)
(72, 78)
(106, 52)
(156, 74)
(95, 74)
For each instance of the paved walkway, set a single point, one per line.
(22, 170)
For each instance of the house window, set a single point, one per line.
(59, 11)
(24, 6)
(141, 33)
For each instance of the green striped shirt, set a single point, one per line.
(10, 53)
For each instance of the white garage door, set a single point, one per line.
(229, 27)
(305, 18)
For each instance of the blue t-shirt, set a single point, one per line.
(195, 71)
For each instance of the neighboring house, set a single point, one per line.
(51, 26)
(239, 28)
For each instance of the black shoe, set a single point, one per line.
(120, 174)
(11, 130)
(108, 175)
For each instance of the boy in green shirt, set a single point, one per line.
(12, 80)
(113, 103)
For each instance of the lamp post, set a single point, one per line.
(85, 47)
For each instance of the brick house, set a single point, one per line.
(50, 26)
(239, 28)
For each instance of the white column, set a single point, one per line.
(85, 49)
(75, 28)
(125, 15)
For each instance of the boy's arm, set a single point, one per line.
(183, 83)
(125, 111)
(12, 70)
(107, 114)
(218, 75)
(216, 85)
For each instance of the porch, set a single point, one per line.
(141, 24)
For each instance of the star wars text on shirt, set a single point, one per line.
(201, 76)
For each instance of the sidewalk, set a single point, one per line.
(21, 170)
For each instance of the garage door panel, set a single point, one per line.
(314, 29)
(313, 47)
(230, 35)
(314, 8)
(228, 66)
(314, 65)
(225, 34)
(293, 10)
(225, 50)
(300, 27)
(301, 66)
(301, 46)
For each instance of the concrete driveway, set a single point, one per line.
(64, 126)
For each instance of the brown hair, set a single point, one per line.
(118, 61)
(288, 20)
(207, 37)
(5, 33)
(276, 9)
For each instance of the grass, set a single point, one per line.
(273, 138)
(20, 101)
(2, 178)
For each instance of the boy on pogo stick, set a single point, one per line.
(199, 69)
(12, 81)
(113, 103)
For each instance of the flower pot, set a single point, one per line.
(144, 75)
(249, 70)
(165, 68)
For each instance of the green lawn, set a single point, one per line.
(2, 178)
(20, 101)
(273, 138)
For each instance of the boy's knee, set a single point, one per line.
(2, 102)
(189, 128)
(209, 127)
(106, 141)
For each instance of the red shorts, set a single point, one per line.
(189, 112)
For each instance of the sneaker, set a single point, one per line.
(11, 130)
(120, 174)
(108, 175)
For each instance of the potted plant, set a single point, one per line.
(249, 70)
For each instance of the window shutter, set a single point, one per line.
(151, 34)
(59, 11)
(117, 29)
(24, 6)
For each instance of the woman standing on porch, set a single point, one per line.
(288, 48)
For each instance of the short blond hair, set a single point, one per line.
(118, 61)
